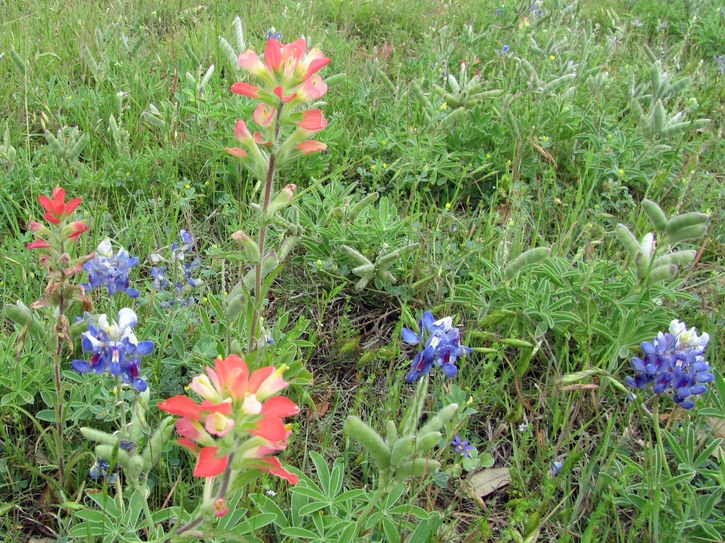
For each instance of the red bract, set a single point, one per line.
(245, 89)
(38, 244)
(57, 209)
(311, 146)
(238, 405)
(312, 121)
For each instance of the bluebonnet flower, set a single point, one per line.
(181, 271)
(115, 349)
(127, 445)
(110, 270)
(272, 33)
(100, 469)
(556, 467)
(674, 362)
(505, 50)
(462, 446)
(442, 346)
(720, 63)
(536, 10)
(636, 22)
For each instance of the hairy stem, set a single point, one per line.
(267, 197)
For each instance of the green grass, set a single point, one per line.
(532, 165)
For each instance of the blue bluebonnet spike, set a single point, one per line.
(110, 270)
(115, 349)
(674, 362)
(442, 347)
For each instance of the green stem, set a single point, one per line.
(122, 406)
(268, 187)
(221, 493)
(383, 489)
(59, 422)
(143, 488)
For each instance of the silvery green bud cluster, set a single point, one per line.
(402, 454)
(658, 123)
(68, 143)
(464, 91)
(684, 227)
(124, 450)
(367, 270)
(525, 259)
(7, 151)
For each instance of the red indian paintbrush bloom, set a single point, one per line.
(57, 209)
(236, 406)
(56, 213)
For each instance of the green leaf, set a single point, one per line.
(299, 532)
(178, 344)
(267, 505)
(308, 492)
(323, 472)
(47, 415)
(254, 523)
(392, 533)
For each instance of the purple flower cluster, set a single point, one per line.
(101, 470)
(115, 349)
(110, 270)
(462, 446)
(442, 346)
(181, 271)
(674, 362)
(536, 9)
(273, 34)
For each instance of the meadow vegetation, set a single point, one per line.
(549, 175)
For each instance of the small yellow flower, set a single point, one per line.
(206, 183)
(187, 186)
(621, 171)
(384, 142)
(552, 57)
(373, 167)
(204, 299)
(444, 106)
(488, 155)
(385, 164)
(596, 206)
(448, 206)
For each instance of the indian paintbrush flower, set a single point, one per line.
(286, 77)
(239, 414)
(115, 348)
(55, 241)
(442, 346)
(674, 362)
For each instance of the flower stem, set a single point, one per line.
(267, 197)
(59, 422)
(383, 488)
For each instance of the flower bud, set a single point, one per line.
(282, 199)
